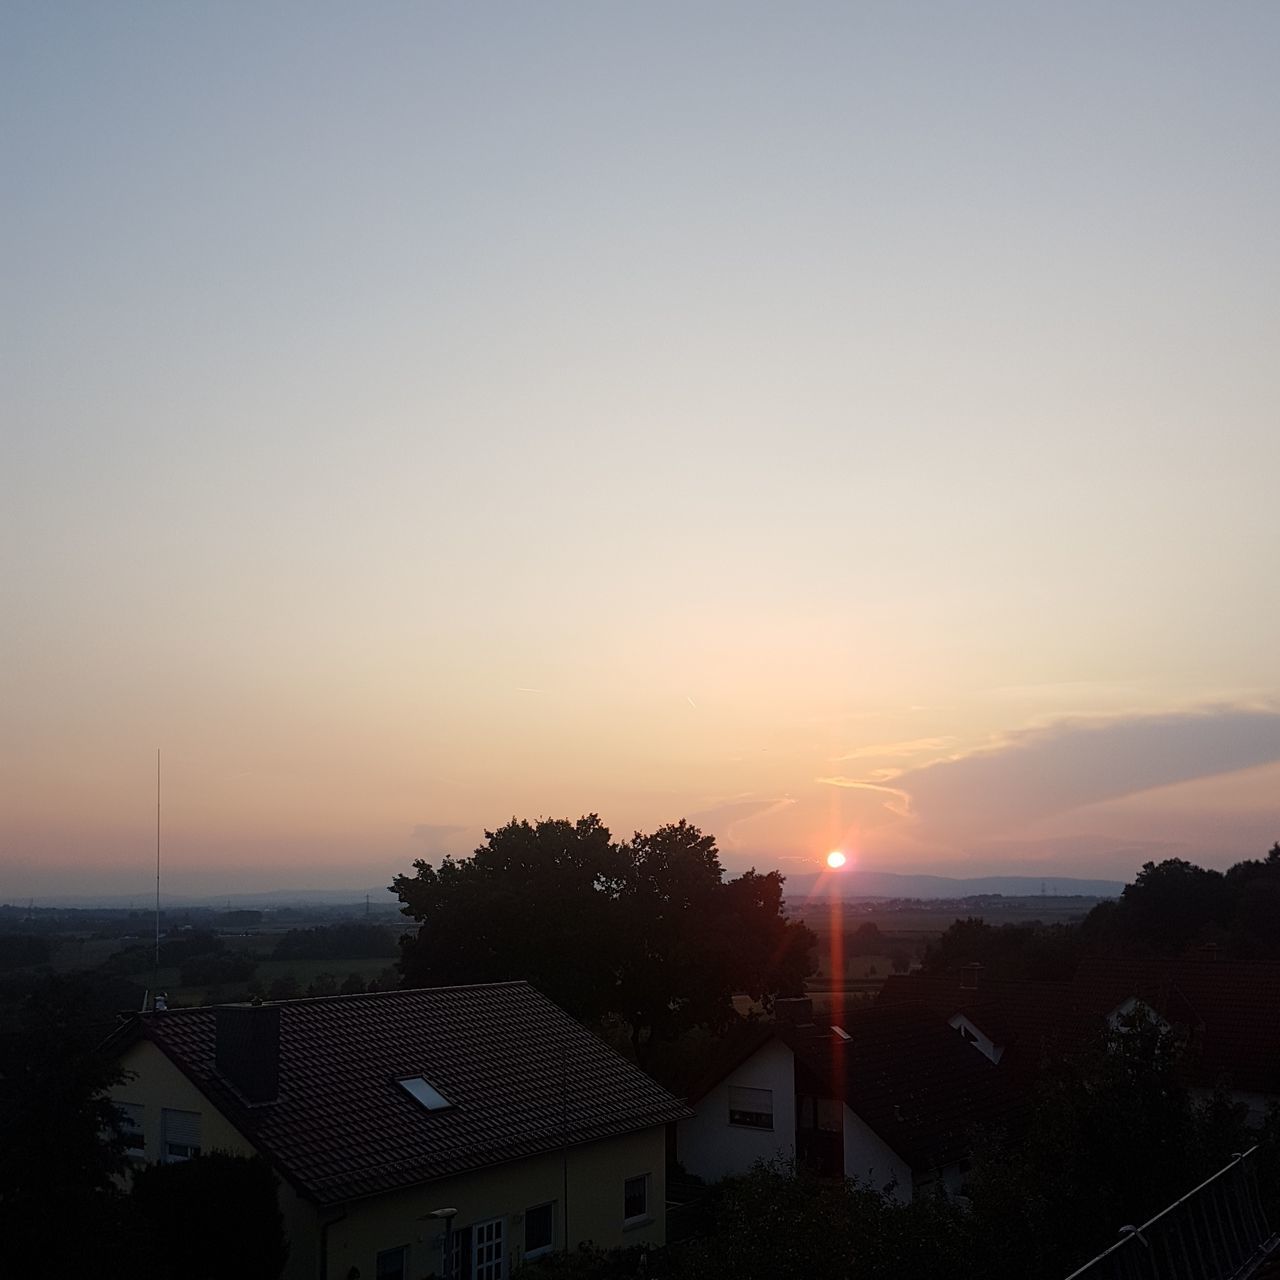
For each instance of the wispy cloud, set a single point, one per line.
(1038, 773)
(725, 820)
(897, 750)
(439, 833)
(899, 801)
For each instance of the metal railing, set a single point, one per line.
(1218, 1231)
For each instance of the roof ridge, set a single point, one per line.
(350, 995)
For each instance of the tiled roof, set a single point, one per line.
(743, 1040)
(913, 1080)
(522, 1077)
(1029, 1020)
(1231, 1008)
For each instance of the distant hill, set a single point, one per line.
(849, 884)
(266, 898)
(891, 884)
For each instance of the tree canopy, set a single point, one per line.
(60, 1145)
(646, 929)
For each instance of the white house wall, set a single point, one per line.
(709, 1146)
(869, 1159)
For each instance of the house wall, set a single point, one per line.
(155, 1084)
(868, 1157)
(596, 1174)
(709, 1146)
(358, 1231)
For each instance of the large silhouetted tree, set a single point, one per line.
(648, 929)
(532, 902)
(60, 1145)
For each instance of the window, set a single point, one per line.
(488, 1258)
(135, 1144)
(752, 1108)
(635, 1198)
(392, 1264)
(539, 1230)
(179, 1135)
(431, 1098)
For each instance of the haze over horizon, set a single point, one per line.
(842, 427)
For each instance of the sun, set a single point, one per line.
(836, 859)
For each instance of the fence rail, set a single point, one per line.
(1218, 1231)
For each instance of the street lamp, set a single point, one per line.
(448, 1216)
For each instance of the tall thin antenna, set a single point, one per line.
(155, 983)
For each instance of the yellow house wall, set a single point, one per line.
(155, 1083)
(596, 1174)
(358, 1231)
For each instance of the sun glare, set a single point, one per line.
(835, 859)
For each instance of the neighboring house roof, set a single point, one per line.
(913, 1080)
(1230, 1007)
(1029, 1020)
(742, 1042)
(521, 1077)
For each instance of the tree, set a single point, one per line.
(213, 1216)
(323, 984)
(532, 902)
(60, 1143)
(1169, 904)
(1041, 953)
(779, 1222)
(1114, 1138)
(648, 930)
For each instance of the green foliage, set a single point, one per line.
(352, 985)
(208, 1218)
(1115, 1138)
(60, 1147)
(866, 940)
(242, 919)
(284, 988)
(648, 929)
(214, 968)
(174, 951)
(18, 950)
(533, 902)
(337, 942)
(1044, 953)
(774, 1222)
(1174, 906)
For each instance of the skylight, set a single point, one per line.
(418, 1089)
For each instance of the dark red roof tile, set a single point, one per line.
(522, 1078)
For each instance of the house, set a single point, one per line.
(888, 1095)
(1015, 1024)
(380, 1111)
(1227, 1012)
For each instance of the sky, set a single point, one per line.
(844, 425)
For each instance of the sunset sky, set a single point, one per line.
(840, 424)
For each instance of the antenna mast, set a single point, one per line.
(155, 980)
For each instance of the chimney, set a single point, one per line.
(969, 976)
(247, 1050)
(795, 1011)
